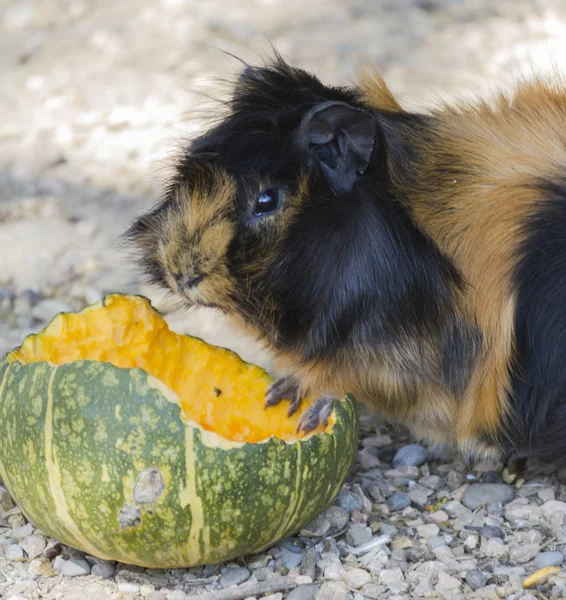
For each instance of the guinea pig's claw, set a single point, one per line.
(281, 389)
(318, 412)
(296, 402)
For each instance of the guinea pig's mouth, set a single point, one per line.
(192, 294)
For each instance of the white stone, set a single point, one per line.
(355, 578)
(438, 516)
(428, 531)
(447, 584)
(394, 580)
(495, 548)
(332, 590)
(554, 512)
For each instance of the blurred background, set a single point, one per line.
(95, 95)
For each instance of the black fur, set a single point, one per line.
(539, 380)
(371, 279)
(461, 350)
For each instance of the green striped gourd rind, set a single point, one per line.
(100, 458)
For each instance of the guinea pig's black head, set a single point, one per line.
(254, 189)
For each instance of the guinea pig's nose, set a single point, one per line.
(189, 281)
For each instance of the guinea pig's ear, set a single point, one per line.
(341, 138)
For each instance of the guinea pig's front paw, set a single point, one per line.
(284, 388)
(318, 412)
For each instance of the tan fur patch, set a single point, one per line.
(477, 219)
(196, 234)
(376, 92)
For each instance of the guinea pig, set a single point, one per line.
(417, 261)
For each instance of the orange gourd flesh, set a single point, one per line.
(216, 388)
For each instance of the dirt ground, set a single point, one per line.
(96, 95)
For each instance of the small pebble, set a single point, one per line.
(519, 512)
(291, 545)
(436, 542)
(334, 572)
(438, 516)
(388, 529)
(177, 595)
(304, 592)
(398, 501)
(308, 564)
(495, 548)
(236, 575)
(408, 473)
(487, 493)
(554, 512)
(419, 495)
(447, 584)
(428, 531)
(318, 527)
(375, 492)
(103, 569)
(548, 559)
(394, 580)
(332, 590)
(58, 563)
(261, 560)
(546, 494)
(290, 560)
(128, 587)
(40, 566)
(337, 517)
(489, 532)
(75, 567)
(21, 532)
(349, 501)
(15, 553)
(355, 578)
(6, 502)
(476, 579)
(358, 534)
(413, 455)
(33, 545)
(529, 536)
(524, 553)
(17, 522)
(417, 554)
(433, 482)
(367, 461)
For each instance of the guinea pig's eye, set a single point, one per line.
(267, 202)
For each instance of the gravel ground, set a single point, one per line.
(94, 96)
